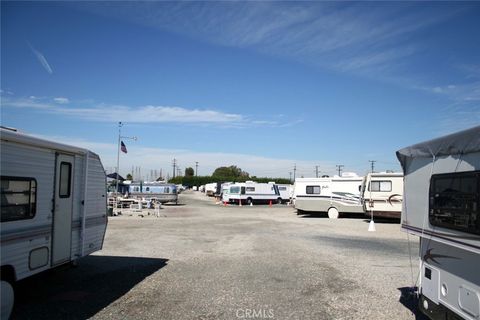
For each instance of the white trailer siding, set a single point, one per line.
(332, 195)
(29, 241)
(441, 197)
(385, 197)
(251, 192)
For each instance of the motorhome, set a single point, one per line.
(250, 192)
(285, 191)
(442, 206)
(53, 207)
(211, 189)
(154, 191)
(382, 194)
(334, 196)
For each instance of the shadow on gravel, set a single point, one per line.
(410, 301)
(173, 204)
(343, 215)
(81, 292)
(384, 220)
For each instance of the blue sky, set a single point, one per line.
(260, 85)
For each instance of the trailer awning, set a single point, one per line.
(462, 142)
(114, 176)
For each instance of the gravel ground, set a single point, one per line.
(199, 260)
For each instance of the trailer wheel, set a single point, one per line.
(7, 298)
(279, 200)
(249, 201)
(333, 213)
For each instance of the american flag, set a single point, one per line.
(123, 147)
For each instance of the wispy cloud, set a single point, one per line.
(141, 114)
(41, 58)
(61, 100)
(346, 36)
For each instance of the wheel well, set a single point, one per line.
(7, 273)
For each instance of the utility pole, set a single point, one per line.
(174, 165)
(339, 168)
(372, 163)
(316, 171)
(290, 176)
(196, 168)
(294, 171)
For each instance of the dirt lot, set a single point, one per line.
(199, 260)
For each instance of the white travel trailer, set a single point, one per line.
(156, 191)
(442, 207)
(211, 189)
(252, 192)
(382, 194)
(53, 207)
(332, 195)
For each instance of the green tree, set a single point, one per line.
(189, 172)
(129, 177)
(230, 172)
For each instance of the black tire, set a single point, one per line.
(249, 201)
(279, 201)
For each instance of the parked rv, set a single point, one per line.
(285, 191)
(250, 192)
(332, 195)
(442, 207)
(154, 191)
(53, 207)
(211, 189)
(382, 194)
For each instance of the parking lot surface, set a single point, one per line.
(201, 260)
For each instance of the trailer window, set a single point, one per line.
(313, 190)
(282, 188)
(18, 198)
(454, 200)
(250, 189)
(65, 179)
(380, 186)
(235, 190)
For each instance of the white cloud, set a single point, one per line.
(149, 158)
(347, 37)
(142, 114)
(61, 100)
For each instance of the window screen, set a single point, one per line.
(380, 186)
(454, 200)
(18, 198)
(65, 179)
(313, 190)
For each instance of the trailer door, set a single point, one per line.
(62, 215)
